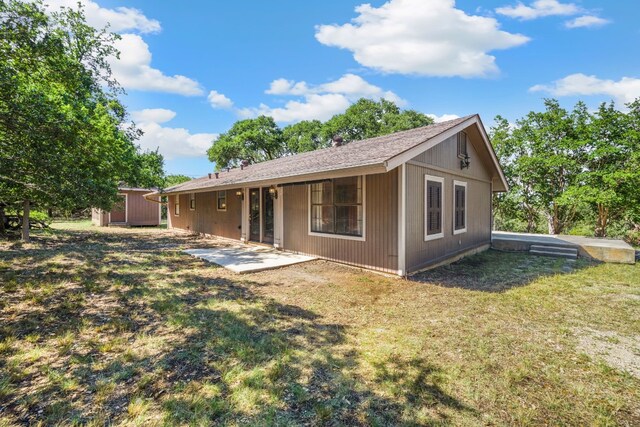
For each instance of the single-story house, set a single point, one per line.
(131, 209)
(397, 203)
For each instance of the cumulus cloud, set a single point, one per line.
(319, 102)
(430, 38)
(442, 118)
(218, 100)
(586, 21)
(133, 70)
(170, 142)
(624, 90)
(539, 9)
(119, 19)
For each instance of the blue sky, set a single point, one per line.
(192, 69)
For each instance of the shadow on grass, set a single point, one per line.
(496, 271)
(106, 328)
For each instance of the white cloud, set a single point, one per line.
(170, 142)
(120, 19)
(133, 70)
(624, 90)
(539, 9)
(218, 100)
(442, 118)
(157, 115)
(422, 37)
(586, 21)
(319, 102)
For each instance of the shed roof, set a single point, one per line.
(373, 153)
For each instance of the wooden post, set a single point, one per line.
(26, 207)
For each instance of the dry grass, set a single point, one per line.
(119, 327)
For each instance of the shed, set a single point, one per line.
(131, 209)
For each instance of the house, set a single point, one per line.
(396, 203)
(131, 209)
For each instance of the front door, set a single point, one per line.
(254, 214)
(267, 216)
(119, 211)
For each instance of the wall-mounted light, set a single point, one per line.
(465, 162)
(240, 194)
(273, 192)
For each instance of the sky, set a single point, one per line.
(191, 69)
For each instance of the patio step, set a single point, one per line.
(554, 251)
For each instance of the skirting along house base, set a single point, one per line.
(396, 203)
(132, 209)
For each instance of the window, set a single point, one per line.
(176, 209)
(433, 194)
(192, 201)
(222, 200)
(337, 207)
(462, 145)
(459, 207)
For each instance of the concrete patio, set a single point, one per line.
(248, 258)
(601, 249)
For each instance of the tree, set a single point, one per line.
(304, 136)
(63, 142)
(254, 140)
(172, 180)
(150, 170)
(367, 119)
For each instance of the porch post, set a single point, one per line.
(278, 220)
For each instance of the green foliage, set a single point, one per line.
(63, 139)
(260, 139)
(577, 170)
(150, 170)
(171, 180)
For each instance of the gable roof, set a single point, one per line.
(373, 155)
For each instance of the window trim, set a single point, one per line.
(466, 207)
(176, 206)
(218, 200)
(192, 198)
(460, 154)
(429, 237)
(362, 238)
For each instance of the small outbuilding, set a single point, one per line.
(131, 209)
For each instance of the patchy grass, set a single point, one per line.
(117, 326)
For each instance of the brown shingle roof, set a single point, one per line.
(367, 152)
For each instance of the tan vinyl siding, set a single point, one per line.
(378, 251)
(421, 253)
(140, 211)
(206, 218)
(99, 218)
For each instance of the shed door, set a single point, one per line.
(119, 211)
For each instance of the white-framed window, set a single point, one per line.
(222, 200)
(192, 201)
(176, 206)
(459, 207)
(337, 208)
(462, 145)
(433, 207)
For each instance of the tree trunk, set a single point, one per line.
(602, 221)
(26, 206)
(2, 220)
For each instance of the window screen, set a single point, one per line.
(336, 207)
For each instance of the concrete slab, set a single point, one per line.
(248, 259)
(606, 250)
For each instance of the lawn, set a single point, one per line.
(117, 326)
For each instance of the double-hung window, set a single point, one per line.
(222, 200)
(176, 207)
(337, 207)
(459, 207)
(192, 201)
(434, 207)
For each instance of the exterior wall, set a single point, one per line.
(379, 250)
(442, 161)
(99, 218)
(140, 211)
(206, 218)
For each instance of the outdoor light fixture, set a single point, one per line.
(240, 194)
(273, 192)
(465, 162)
